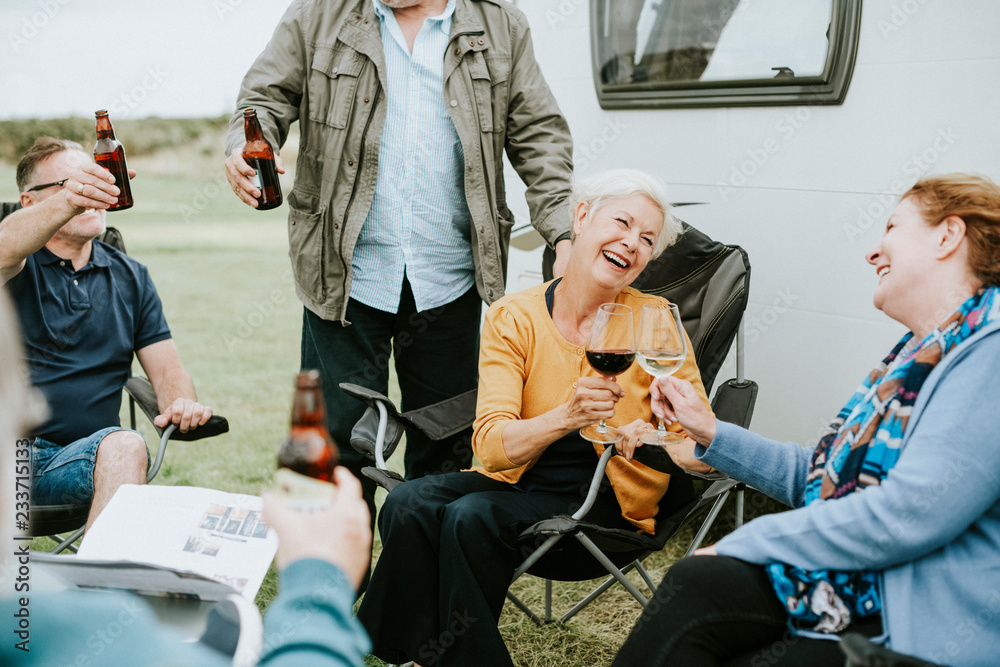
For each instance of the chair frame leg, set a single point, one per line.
(67, 544)
(707, 523)
(611, 568)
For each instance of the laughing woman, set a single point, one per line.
(450, 542)
(896, 530)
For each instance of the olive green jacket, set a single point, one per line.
(324, 67)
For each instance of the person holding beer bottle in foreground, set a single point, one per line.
(398, 228)
(322, 556)
(85, 308)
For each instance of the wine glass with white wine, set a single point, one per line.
(661, 350)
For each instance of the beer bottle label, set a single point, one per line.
(256, 178)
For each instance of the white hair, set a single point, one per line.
(598, 189)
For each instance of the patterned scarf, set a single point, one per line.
(857, 451)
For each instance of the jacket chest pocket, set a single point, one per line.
(489, 82)
(333, 85)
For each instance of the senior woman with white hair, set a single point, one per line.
(897, 520)
(450, 542)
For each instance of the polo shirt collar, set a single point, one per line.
(443, 19)
(99, 257)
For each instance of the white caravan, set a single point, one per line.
(734, 104)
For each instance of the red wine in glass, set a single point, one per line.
(610, 363)
(610, 352)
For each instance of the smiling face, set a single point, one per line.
(617, 239)
(84, 227)
(905, 260)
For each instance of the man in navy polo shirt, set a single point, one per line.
(84, 309)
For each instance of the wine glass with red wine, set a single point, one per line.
(610, 351)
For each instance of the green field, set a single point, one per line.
(224, 278)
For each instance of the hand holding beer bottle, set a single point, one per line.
(252, 171)
(308, 450)
(110, 154)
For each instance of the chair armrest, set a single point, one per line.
(734, 402)
(140, 390)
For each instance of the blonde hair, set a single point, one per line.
(598, 189)
(974, 199)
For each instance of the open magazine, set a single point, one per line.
(173, 540)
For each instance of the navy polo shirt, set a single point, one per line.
(80, 330)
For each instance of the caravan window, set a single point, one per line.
(682, 53)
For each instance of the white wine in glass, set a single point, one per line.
(662, 349)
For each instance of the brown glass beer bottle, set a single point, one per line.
(110, 154)
(258, 154)
(309, 450)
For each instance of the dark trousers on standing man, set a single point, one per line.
(436, 355)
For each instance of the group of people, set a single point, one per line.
(398, 232)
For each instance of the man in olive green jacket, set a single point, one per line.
(375, 130)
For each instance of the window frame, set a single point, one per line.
(828, 88)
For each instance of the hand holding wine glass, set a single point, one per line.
(662, 349)
(610, 352)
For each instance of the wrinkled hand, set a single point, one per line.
(239, 175)
(339, 534)
(675, 400)
(706, 551)
(632, 432)
(593, 400)
(98, 189)
(184, 412)
(682, 454)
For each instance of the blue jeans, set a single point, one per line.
(64, 474)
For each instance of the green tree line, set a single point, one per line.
(141, 136)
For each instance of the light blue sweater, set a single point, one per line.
(932, 527)
(309, 624)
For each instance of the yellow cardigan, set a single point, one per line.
(527, 368)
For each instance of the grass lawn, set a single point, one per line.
(223, 275)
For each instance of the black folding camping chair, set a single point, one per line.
(709, 281)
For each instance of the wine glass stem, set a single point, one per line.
(602, 427)
(661, 430)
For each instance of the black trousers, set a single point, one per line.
(449, 549)
(714, 610)
(436, 354)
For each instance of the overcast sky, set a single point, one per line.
(137, 58)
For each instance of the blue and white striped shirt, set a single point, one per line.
(419, 221)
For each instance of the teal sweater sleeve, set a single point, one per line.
(311, 622)
(946, 480)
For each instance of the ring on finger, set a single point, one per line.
(79, 190)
